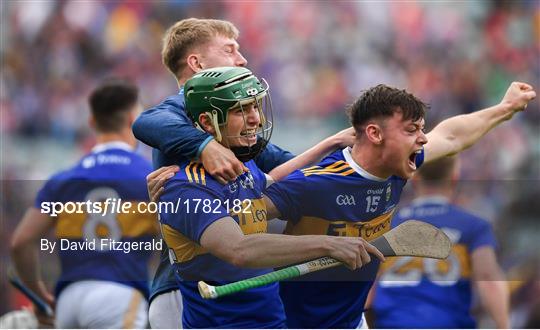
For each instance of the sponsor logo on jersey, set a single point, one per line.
(375, 191)
(89, 162)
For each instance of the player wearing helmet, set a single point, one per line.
(215, 92)
(189, 46)
(218, 233)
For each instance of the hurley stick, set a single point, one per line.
(40, 304)
(411, 238)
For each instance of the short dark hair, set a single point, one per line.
(384, 101)
(438, 171)
(110, 102)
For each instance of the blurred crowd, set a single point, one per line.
(317, 57)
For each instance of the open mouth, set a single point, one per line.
(412, 159)
(249, 132)
(249, 136)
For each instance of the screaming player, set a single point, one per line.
(219, 233)
(355, 191)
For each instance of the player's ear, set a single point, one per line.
(373, 132)
(206, 123)
(194, 62)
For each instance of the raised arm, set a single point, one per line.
(458, 133)
(314, 154)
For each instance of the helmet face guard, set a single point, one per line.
(215, 92)
(262, 102)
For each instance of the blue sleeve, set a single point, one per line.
(258, 176)
(287, 195)
(49, 192)
(482, 235)
(168, 128)
(192, 219)
(45, 194)
(271, 157)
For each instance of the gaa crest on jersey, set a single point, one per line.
(345, 200)
(233, 186)
(247, 181)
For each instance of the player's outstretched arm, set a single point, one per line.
(24, 251)
(314, 154)
(458, 133)
(225, 239)
(491, 285)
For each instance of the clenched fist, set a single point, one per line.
(517, 97)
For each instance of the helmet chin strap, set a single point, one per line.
(245, 154)
(215, 123)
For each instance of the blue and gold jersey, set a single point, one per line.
(180, 137)
(201, 201)
(336, 197)
(97, 221)
(423, 292)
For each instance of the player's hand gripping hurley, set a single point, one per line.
(411, 238)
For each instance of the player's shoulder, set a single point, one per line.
(192, 181)
(176, 100)
(113, 162)
(60, 179)
(193, 173)
(329, 168)
(62, 176)
(173, 103)
(140, 161)
(467, 217)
